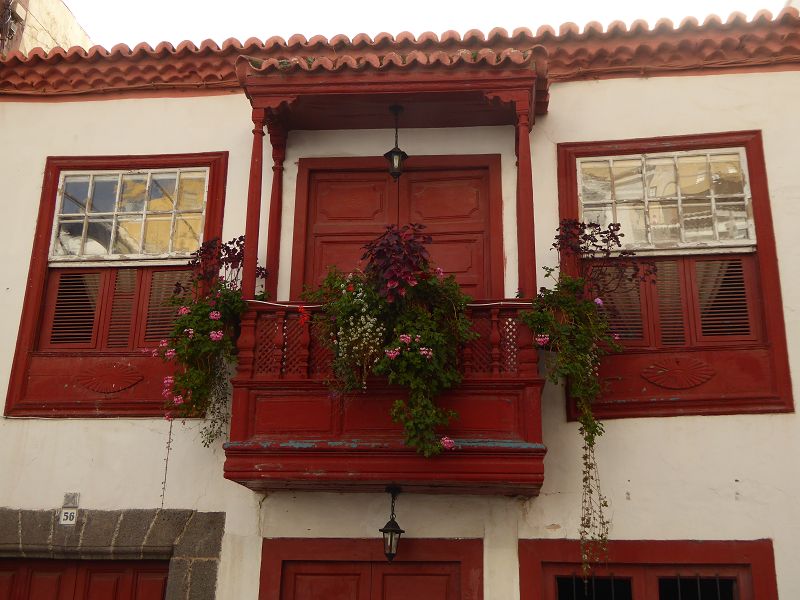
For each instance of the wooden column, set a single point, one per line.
(277, 138)
(525, 235)
(253, 206)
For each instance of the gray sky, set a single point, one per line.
(113, 21)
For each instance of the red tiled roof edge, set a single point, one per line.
(764, 43)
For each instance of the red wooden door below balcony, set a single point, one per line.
(24, 579)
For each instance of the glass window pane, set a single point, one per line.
(661, 178)
(726, 174)
(98, 238)
(128, 236)
(628, 180)
(693, 175)
(134, 188)
(104, 194)
(191, 191)
(75, 196)
(665, 225)
(162, 191)
(631, 218)
(68, 238)
(187, 233)
(595, 182)
(599, 214)
(697, 221)
(156, 235)
(733, 221)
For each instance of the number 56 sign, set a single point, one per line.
(68, 516)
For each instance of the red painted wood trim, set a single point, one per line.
(525, 229)
(253, 218)
(771, 311)
(756, 555)
(217, 162)
(275, 551)
(306, 166)
(277, 138)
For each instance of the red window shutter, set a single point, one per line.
(123, 305)
(671, 302)
(72, 309)
(160, 312)
(621, 291)
(722, 299)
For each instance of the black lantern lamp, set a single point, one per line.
(391, 531)
(395, 156)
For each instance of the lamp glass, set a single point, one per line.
(391, 536)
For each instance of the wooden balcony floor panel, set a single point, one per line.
(475, 467)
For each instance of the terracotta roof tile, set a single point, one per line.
(762, 43)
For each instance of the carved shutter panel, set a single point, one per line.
(160, 313)
(72, 309)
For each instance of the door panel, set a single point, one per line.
(22, 579)
(348, 209)
(325, 580)
(437, 581)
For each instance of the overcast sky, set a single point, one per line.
(109, 22)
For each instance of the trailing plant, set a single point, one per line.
(572, 321)
(202, 342)
(400, 318)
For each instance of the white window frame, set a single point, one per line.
(121, 260)
(677, 248)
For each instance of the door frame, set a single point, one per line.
(307, 166)
(275, 551)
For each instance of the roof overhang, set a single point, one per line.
(435, 90)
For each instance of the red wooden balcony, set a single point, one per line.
(289, 431)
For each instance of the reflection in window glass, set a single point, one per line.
(670, 199)
(130, 214)
(593, 588)
(75, 195)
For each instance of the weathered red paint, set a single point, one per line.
(288, 431)
(82, 579)
(397, 207)
(253, 218)
(757, 378)
(277, 138)
(751, 562)
(142, 400)
(356, 569)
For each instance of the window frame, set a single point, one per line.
(770, 319)
(30, 323)
(753, 561)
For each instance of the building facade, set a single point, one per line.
(44, 24)
(685, 135)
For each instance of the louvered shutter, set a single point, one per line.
(724, 299)
(671, 302)
(160, 312)
(123, 305)
(73, 309)
(621, 291)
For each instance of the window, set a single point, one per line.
(650, 570)
(112, 241)
(695, 209)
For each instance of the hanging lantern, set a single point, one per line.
(396, 156)
(391, 531)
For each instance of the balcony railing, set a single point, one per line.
(290, 432)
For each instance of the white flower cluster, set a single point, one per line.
(359, 340)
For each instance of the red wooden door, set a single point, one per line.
(459, 205)
(315, 580)
(82, 580)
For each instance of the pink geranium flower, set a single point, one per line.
(405, 338)
(184, 310)
(598, 301)
(447, 443)
(177, 400)
(189, 332)
(393, 353)
(170, 354)
(216, 336)
(215, 315)
(542, 340)
(439, 272)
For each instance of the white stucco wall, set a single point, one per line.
(729, 477)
